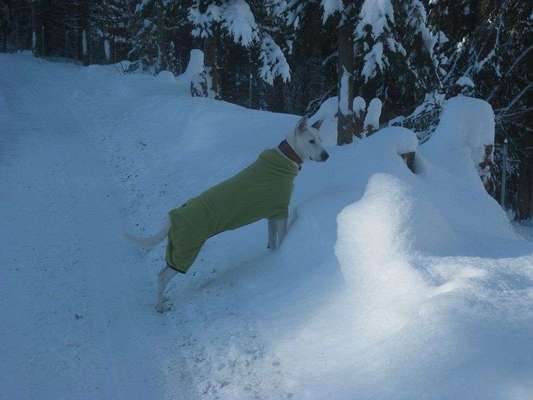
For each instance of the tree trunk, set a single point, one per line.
(37, 29)
(345, 124)
(5, 32)
(213, 75)
(525, 178)
(278, 96)
(525, 188)
(84, 32)
(3, 46)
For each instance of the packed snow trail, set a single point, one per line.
(77, 319)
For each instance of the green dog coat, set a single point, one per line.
(262, 190)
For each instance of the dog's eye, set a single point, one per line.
(312, 141)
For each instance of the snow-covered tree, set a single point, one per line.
(395, 54)
(237, 20)
(111, 28)
(172, 61)
(490, 48)
(343, 15)
(157, 24)
(376, 39)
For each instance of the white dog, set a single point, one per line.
(262, 190)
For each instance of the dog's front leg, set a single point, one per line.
(272, 243)
(277, 229)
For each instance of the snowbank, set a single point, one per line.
(449, 162)
(466, 127)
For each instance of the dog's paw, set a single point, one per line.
(163, 306)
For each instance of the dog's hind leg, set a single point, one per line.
(165, 276)
(281, 227)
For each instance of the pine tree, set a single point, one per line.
(37, 28)
(494, 53)
(343, 13)
(391, 38)
(148, 26)
(110, 29)
(395, 54)
(236, 20)
(4, 26)
(172, 60)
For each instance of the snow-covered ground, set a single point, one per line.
(525, 229)
(389, 285)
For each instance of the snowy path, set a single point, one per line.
(78, 302)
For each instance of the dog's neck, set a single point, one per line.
(288, 151)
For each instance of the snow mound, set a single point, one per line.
(359, 106)
(374, 238)
(194, 69)
(373, 113)
(465, 128)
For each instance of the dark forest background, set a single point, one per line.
(289, 56)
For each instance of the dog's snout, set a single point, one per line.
(324, 156)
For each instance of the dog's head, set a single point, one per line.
(305, 140)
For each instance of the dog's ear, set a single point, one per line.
(301, 126)
(318, 124)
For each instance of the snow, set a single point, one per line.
(460, 137)
(234, 15)
(327, 113)
(389, 285)
(377, 14)
(193, 72)
(525, 229)
(465, 81)
(203, 22)
(373, 59)
(237, 18)
(330, 107)
(196, 63)
(331, 7)
(431, 100)
(359, 106)
(373, 114)
(418, 21)
(344, 90)
(240, 22)
(442, 38)
(273, 61)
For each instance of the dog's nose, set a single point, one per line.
(324, 156)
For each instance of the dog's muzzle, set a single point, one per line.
(324, 156)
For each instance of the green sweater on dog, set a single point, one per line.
(262, 190)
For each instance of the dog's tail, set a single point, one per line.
(151, 241)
